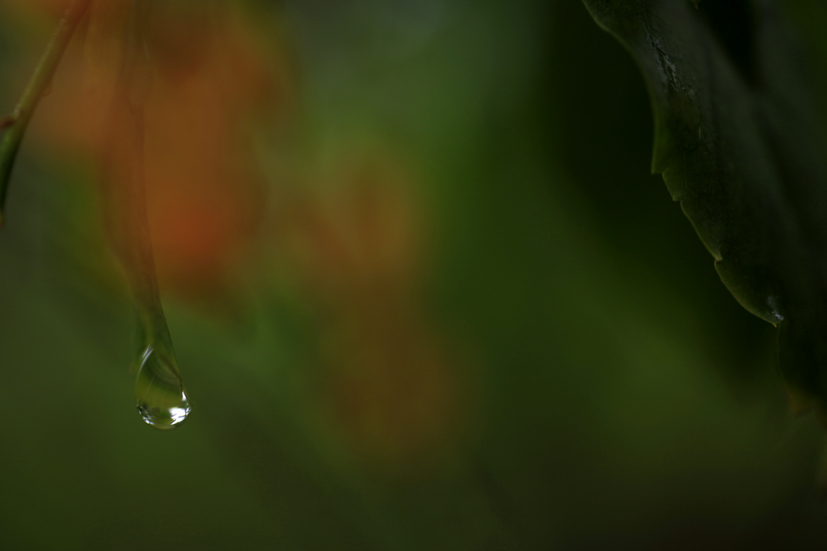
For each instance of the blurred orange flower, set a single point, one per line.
(388, 388)
(203, 79)
(363, 232)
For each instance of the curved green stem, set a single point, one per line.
(16, 124)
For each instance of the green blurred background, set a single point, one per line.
(438, 302)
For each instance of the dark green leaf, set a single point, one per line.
(735, 143)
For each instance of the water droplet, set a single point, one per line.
(773, 313)
(162, 402)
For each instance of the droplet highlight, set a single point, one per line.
(162, 401)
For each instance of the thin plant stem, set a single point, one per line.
(124, 183)
(17, 123)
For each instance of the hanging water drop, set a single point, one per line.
(162, 401)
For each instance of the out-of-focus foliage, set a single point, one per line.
(423, 290)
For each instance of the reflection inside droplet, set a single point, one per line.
(165, 418)
(774, 315)
(162, 402)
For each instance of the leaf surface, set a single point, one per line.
(736, 144)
